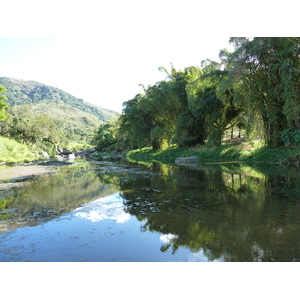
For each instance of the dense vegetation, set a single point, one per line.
(20, 92)
(12, 151)
(44, 118)
(3, 104)
(254, 90)
(46, 125)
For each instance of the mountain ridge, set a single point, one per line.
(27, 92)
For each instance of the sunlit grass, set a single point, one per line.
(14, 152)
(253, 152)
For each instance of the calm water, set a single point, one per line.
(120, 211)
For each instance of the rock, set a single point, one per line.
(59, 157)
(89, 152)
(59, 150)
(80, 154)
(191, 160)
(44, 154)
(66, 152)
(71, 156)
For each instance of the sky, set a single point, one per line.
(100, 51)
(105, 71)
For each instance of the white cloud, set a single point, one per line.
(109, 207)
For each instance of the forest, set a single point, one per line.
(254, 89)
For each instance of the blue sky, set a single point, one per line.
(102, 72)
(101, 51)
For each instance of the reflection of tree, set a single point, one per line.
(52, 195)
(228, 215)
(230, 212)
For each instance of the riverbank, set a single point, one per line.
(18, 175)
(233, 151)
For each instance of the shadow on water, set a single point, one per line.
(229, 212)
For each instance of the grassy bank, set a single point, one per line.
(14, 152)
(252, 152)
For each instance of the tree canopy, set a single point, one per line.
(256, 87)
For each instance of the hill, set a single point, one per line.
(71, 122)
(20, 92)
(45, 117)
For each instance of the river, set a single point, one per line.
(122, 211)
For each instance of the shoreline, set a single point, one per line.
(240, 152)
(19, 174)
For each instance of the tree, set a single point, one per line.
(152, 118)
(3, 105)
(269, 71)
(135, 125)
(105, 136)
(211, 100)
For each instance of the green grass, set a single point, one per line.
(14, 152)
(250, 152)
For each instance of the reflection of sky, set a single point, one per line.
(200, 256)
(109, 207)
(168, 238)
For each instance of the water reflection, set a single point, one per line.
(50, 196)
(233, 213)
(109, 207)
(217, 212)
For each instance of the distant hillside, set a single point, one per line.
(70, 121)
(20, 92)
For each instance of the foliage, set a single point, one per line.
(290, 137)
(256, 89)
(152, 118)
(3, 105)
(20, 92)
(40, 124)
(250, 152)
(105, 136)
(269, 71)
(188, 108)
(135, 124)
(44, 117)
(13, 152)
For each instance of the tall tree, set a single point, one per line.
(269, 70)
(212, 101)
(135, 124)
